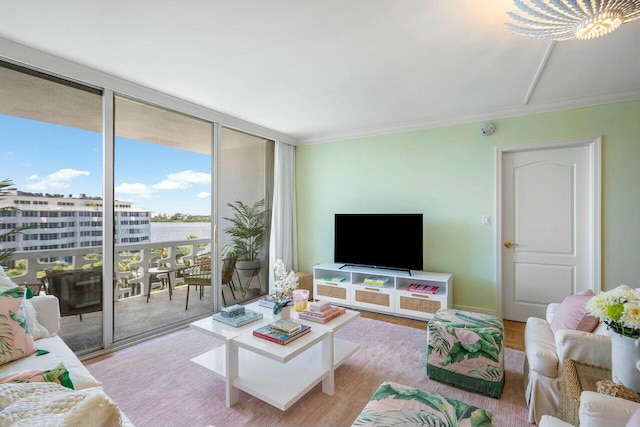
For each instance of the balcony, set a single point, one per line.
(134, 317)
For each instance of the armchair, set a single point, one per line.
(545, 353)
(600, 410)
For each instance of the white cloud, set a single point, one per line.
(183, 179)
(173, 181)
(191, 176)
(203, 195)
(56, 181)
(137, 189)
(167, 184)
(33, 177)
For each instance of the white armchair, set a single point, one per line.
(600, 410)
(545, 353)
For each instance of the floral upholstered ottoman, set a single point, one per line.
(395, 404)
(465, 350)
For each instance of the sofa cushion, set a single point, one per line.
(48, 313)
(59, 352)
(634, 421)
(58, 375)
(15, 340)
(571, 314)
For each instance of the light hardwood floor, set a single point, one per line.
(513, 331)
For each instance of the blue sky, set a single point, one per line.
(46, 158)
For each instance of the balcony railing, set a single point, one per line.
(176, 252)
(133, 315)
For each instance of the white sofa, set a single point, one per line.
(545, 353)
(48, 315)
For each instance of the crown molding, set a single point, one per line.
(444, 121)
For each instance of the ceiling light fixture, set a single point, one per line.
(571, 19)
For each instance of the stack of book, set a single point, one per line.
(267, 301)
(423, 289)
(377, 281)
(321, 312)
(234, 310)
(282, 331)
(237, 320)
(335, 279)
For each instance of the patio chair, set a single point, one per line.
(199, 275)
(228, 268)
(78, 291)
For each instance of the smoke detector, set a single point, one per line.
(487, 129)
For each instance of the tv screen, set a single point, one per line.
(379, 240)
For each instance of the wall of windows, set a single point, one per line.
(145, 185)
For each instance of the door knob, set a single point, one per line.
(509, 244)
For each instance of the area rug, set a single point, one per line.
(156, 384)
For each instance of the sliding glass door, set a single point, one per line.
(51, 144)
(162, 216)
(246, 184)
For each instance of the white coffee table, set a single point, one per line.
(277, 374)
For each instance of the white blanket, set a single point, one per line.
(50, 404)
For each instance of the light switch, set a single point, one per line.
(486, 220)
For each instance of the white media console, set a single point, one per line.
(346, 287)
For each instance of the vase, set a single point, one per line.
(285, 313)
(625, 355)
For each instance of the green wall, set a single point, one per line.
(448, 174)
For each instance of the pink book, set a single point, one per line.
(424, 289)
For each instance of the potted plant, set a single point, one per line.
(247, 229)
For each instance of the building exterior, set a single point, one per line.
(56, 221)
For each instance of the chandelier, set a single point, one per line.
(571, 19)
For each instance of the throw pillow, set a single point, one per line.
(15, 341)
(572, 314)
(35, 328)
(58, 375)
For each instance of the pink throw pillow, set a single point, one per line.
(15, 341)
(572, 314)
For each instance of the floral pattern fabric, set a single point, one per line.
(15, 340)
(59, 375)
(395, 404)
(465, 350)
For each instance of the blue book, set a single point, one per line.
(283, 338)
(234, 310)
(242, 319)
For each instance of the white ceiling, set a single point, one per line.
(321, 70)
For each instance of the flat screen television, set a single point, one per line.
(392, 241)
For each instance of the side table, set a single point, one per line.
(576, 378)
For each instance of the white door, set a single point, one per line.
(549, 212)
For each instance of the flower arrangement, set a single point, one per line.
(619, 309)
(284, 285)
